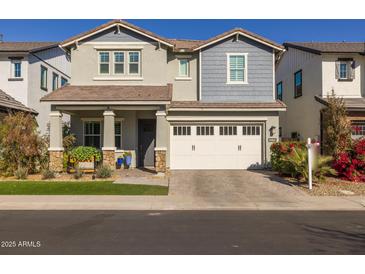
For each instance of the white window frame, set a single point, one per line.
(347, 70)
(139, 62)
(54, 87)
(92, 120)
(114, 62)
(12, 72)
(229, 82)
(188, 68)
(119, 120)
(45, 69)
(99, 62)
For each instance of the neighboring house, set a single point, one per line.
(178, 104)
(9, 105)
(30, 70)
(307, 73)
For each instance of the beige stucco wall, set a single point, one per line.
(184, 89)
(302, 113)
(354, 88)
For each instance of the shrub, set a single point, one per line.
(103, 171)
(20, 144)
(350, 164)
(291, 158)
(85, 154)
(279, 151)
(21, 173)
(336, 126)
(48, 174)
(78, 174)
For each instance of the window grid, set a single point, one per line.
(92, 134)
(133, 62)
(237, 66)
(204, 130)
(228, 130)
(251, 130)
(104, 62)
(343, 70)
(118, 134)
(182, 131)
(119, 62)
(358, 128)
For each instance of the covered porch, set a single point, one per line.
(115, 127)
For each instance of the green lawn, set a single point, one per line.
(77, 188)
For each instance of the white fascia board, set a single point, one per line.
(227, 109)
(210, 118)
(241, 33)
(113, 25)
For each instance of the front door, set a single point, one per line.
(146, 142)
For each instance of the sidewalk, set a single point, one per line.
(97, 202)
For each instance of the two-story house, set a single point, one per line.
(31, 70)
(307, 73)
(178, 104)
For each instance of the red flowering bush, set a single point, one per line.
(279, 151)
(350, 164)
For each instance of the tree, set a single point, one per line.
(20, 144)
(336, 126)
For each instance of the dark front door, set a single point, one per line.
(146, 142)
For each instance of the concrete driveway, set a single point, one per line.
(233, 188)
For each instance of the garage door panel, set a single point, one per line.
(224, 147)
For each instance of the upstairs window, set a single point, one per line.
(134, 62)
(16, 69)
(345, 69)
(279, 91)
(103, 62)
(64, 81)
(298, 84)
(44, 78)
(236, 68)
(54, 81)
(119, 62)
(183, 68)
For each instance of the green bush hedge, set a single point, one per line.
(85, 154)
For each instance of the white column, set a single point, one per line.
(109, 131)
(56, 138)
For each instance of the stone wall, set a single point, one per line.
(109, 158)
(56, 161)
(160, 160)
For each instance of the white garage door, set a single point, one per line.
(215, 146)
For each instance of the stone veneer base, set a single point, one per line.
(109, 158)
(56, 161)
(160, 160)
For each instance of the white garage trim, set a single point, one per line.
(227, 148)
(210, 118)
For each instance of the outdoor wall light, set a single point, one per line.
(272, 131)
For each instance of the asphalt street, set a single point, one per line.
(182, 232)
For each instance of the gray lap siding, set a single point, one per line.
(259, 74)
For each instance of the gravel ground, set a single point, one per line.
(332, 187)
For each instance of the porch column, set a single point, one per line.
(161, 141)
(109, 139)
(56, 142)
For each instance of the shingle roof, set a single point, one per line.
(328, 47)
(179, 44)
(25, 46)
(207, 105)
(8, 102)
(111, 93)
(350, 103)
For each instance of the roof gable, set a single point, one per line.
(119, 24)
(328, 47)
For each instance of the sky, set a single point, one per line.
(276, 30)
